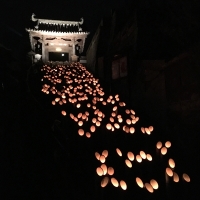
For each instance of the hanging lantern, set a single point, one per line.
(92, 129)
(149, 157)
(111, 171)
(123, 185)
(111, 119)
(171, 163)
(120, 120)
(79, 115)
(132, 130)
(78, 105)
(119, 152)
(128, 163)
(104, 167)
(116, 126)
(104, 182)
(105, 153)
(143, 130)
(159, 145)
(130, 156)
(186, 178)
(99, 171)
(154, 184)
(109, 126)
(175, 177)
(81, 132)
(164, 151)
(102, 159)
(128, 121)
(97, 155)
(53, 103)
(114, 182)
(151, 128)
(114, 108)
(139, 182)
(168, 144)
(143, 154)
(127, 111)
(127, 129)
(138, 158)
(169, 172)
(80, 123)
(147, 131)
(88, 135)
(94, 120)
(149, 187)
(64, 113)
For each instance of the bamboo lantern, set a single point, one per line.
(138, 158)
(104, 167)
(128, 163)
(80, 123)
(105, 181)
(130, 156)
(111, 171)
(139, 182)
(163, 150)
(169, 172)
(114, 182)
(109, 126)
(81, 132)
(186, 177)
(168, 144)
(97, 155)
(64, 113)
(102, 159)
(116, 126)
(88, 135)
(171, 163)
(53, 103)
(142, 129)
(123, 185)
(159, 145)
(154, 184)
(151, 128)
(105, 153)
(175, 177)
(149, 157)
(92, 129)
(147, 131)
(99, 171)
(119, 152)
(143, 154)
(149, 187)
(132, 130)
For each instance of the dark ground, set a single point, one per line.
(39, 163)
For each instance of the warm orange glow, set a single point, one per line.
(98, 123)
(99, 171)
(164, 151)
(149, 187)
(105, 153)
(81, 132)
(138, 158)
(169, 172)
(149, 157)
(143, 130)
(151, 128)
(53, 103)
(64, 113)
(78, 105)
(127, 129)
(127, 111)
(92, 129)
(186, 178)
(104, 167)
(128, 121)
(120, 120)
(115, 108)
(97, 155)
(105, 181)
(147, 131)
(102, 159)
(171, 163)
(132, 130)
(114, 182)
(94, 120)
(168, 144)
(116, 126)
(154, 184)
(139, 182)
(143, 154)
(159, 145)
(80, 123)
(110, 171)
(88, 135)
(109, 126)
(175, 177)
(118, 152)
(128, 163)
(79, 115)
(130, 156)
(123, 185)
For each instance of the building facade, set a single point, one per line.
(57, 40)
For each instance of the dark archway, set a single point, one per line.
(58, 56)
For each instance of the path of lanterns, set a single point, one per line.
(81, 98)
